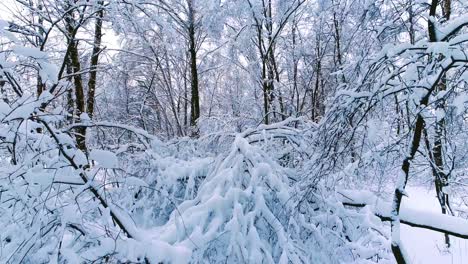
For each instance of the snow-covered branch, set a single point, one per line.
(448, 224)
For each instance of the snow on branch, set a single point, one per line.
(451, 225)
(455, 25)
(141, 134)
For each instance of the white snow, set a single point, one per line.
(134, 181)
(444, 31)
(421, 207)
(30, 52)
(459, 103)
(84, 117)
(104, 158)
(426, 246)
(4, 109)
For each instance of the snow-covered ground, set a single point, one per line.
(425, 246)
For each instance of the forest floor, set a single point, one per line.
(425, 246)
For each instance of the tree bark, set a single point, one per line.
(195, 101)
(400, 189)
(94, 62)
(75, 67)
(440, 176)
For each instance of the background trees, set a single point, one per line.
(229, 131)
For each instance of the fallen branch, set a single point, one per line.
(454, 226)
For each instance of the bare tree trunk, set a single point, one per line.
(70, 100)
(295, 70)
(447, 9)
(94, 61)
(265, 89)
(40, 42)
(397, 249)
(440, 176)
(195, 101)
(185, 100)
(411, 21)
(78, 82)
(316, 90)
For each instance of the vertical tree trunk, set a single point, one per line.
(447, 9)
(339, 55)
(40, 41)
(70, 100)
(195, 101)
(94, 61)
(411, 22)
(295, 70)
(316, 90)
(185, 100)
(440, 176)
(397, 248)
(265, 88)
(75, 67)
(337, 39)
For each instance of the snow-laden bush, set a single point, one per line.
(241, 213)
(246, 208)
(184, 201)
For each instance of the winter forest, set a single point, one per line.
(234, 131)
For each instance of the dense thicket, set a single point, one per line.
(229, 131)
